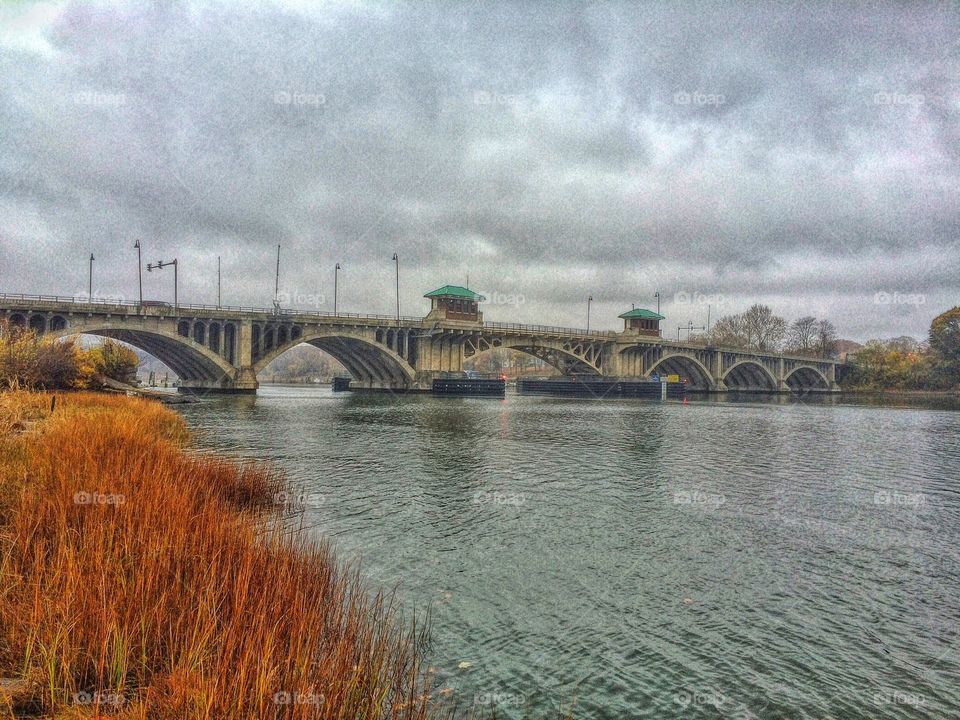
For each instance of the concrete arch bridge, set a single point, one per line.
(223, 348)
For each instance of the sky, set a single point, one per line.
(806, 156)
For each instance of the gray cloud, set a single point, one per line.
(803, 156)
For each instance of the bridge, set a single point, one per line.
(222, 348)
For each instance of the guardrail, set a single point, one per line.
(109, 302)
(548, 329)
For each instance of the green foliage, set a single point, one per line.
(945, 335)
(905, 364)
(113, 360)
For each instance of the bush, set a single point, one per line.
(30, 361)
(115, 361)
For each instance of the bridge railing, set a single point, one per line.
(547, 329)
(23, 299)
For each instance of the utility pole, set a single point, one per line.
(396, 260)
(139, 270)
(160, 265)
(218, 281)
(90, 281)
(336, 271)
(276, 287)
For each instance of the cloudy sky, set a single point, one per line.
(806, 156)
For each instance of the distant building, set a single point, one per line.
(641, 321)
(452, 302)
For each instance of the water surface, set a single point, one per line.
(643, 559)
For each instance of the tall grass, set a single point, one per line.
(140, 581)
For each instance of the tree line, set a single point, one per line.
(905, 363)
(758, 328)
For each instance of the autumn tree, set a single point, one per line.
(802, 335)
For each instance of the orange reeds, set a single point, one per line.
(140, 581)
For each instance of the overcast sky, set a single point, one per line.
(806, 156)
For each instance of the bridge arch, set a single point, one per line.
(562, 356)
(687, 366)
(192, 362)
(365, 359)
(749, 375)
(806, 377)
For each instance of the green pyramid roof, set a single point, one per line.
(455, 291)
(641, 313)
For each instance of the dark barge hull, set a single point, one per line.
(575, 387)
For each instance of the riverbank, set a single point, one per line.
(141, 580)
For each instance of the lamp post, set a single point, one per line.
(276, 287)
(218, 281)
(657, 296)
(90, 281)
(589, 300)
(160, 265)
(139, 270)
(336, 271)
(396, 260)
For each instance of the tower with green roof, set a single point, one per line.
(641, 321)
(453, 302)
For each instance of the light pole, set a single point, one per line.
(139, 270)
(276, 287)
(589, 300)
(218, 281)
(336, 271)
(160, 265)
(657, 296)
(90, 281)
(396, 260)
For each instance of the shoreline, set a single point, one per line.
(116, 591)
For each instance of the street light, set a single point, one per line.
(160, 265)
(657, 296)
(336, 271)
(589, 300)
(139, 270)
(276, 287)
(90, 281)
(396, 260)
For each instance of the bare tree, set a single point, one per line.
(764, 330)
(729, 331)
(803, 335)
(826, 339)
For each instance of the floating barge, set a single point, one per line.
(460, 387)
(603, 388)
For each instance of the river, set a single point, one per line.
(641, 559)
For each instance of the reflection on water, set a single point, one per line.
(715, 558)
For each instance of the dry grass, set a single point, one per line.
(152, 577)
